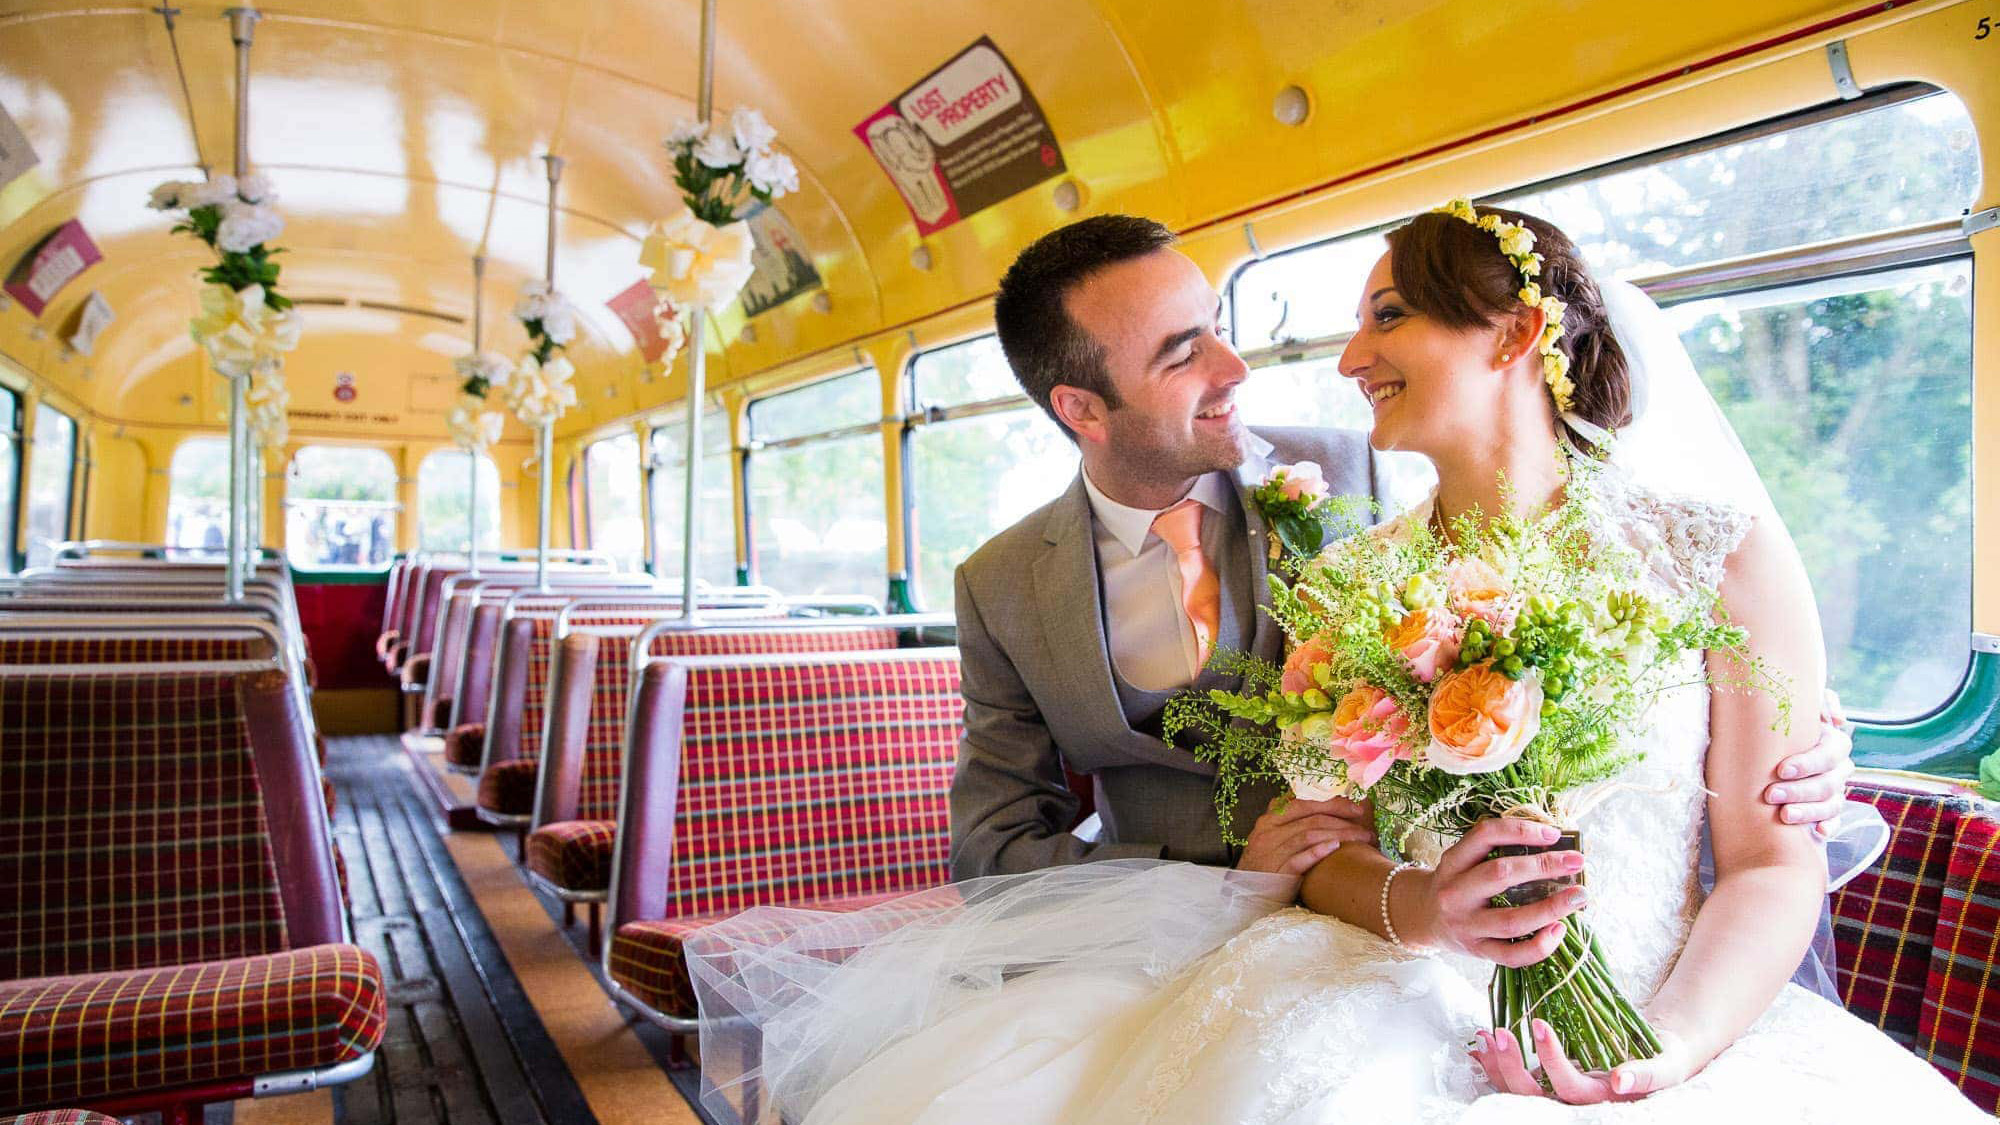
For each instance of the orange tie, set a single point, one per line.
(1201, 593)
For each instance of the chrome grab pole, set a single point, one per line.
(472, 455)
(545, 439)
(697, 355)
(242, 26)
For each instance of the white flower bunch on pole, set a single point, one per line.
(538, 389)
(244, 324)
(700, 257)
(474, 428)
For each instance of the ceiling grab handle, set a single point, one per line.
(545, 434)
(242, 27)
(697, 356)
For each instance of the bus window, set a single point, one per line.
(980, 456)
(611, 499)
(340, 507)
(716, 511)
(198, 495)
(818, 523)
(1846, 370)
(443, 481)
(51, 482)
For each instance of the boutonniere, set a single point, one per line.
(1296, 508)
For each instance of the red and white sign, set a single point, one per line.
(52, 264)
(967, 136)
(634, 307)
(343, 387)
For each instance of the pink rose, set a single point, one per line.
(1370, 734)
(1302, 481)
(1299, 665)
(1428, 642)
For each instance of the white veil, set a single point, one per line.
(1679, 443)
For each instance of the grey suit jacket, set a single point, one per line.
(1039, 694)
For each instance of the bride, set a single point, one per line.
(1139, 991)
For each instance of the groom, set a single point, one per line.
(1079, 622)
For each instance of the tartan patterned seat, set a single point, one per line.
(145, 649)
(508, 788)
(163, 856)
(112, 1033)
(519, 699)
(1960, 1030)
(1884, 920)
(585, 766)
(647, 957)
(779, 780)
(60, 1117)
(573, 854)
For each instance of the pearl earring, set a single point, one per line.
(1505, 356)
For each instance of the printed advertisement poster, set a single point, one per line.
(966, 137)
(634, 307)
(52, 264)
(780, 266)
(92, 317)
(16, 156)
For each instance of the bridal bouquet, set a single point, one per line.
(1498, 672)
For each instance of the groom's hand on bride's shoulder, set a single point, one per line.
(1811, 787)
(1288, 840)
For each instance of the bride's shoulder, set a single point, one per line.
(1696, 534)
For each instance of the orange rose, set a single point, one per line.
(1427, 640)
(1475, 589)
(1300, 664)
(1481, 721)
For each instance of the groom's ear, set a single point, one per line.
(1082, 411)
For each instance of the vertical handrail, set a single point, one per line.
(545, 437)
(242, 25)
(697, 355)
(472, 455)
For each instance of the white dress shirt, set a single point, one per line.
(1151, 642)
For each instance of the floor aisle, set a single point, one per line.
(493, 1017)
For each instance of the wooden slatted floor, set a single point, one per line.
(464, 1045)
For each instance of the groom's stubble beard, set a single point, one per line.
(1144, 453)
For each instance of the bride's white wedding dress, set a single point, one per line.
(1167, 993)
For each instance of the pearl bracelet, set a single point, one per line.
(1389, 927)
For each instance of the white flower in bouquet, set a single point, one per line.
(538, 392)
(772, 173)
(171, 196)
(540, 303)
(718, 151)
(473, 427)
(686, 131)
(491, 367)
(697, 265)
(753, 134)
(214, 192)
(246, 225)
(256, 188)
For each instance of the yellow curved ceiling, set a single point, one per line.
(403, 137)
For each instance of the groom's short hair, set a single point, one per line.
(1043, 345)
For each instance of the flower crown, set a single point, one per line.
(1518, 243)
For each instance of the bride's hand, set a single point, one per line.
(1455, 908)
(1499, 1055)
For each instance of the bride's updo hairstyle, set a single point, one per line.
(1454, 271)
